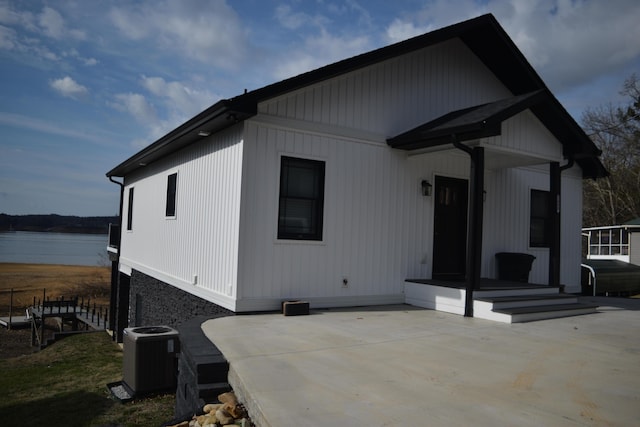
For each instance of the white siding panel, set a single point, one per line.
(525, 134)
(202, 240)
(507, 214)
(363, 240)
(395, 95)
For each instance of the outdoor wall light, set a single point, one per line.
(204, 133)
(426, 188)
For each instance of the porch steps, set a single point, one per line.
(528, 314)
(535, 305)
(498, 301)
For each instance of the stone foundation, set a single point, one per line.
(152, 302)
(202, 369)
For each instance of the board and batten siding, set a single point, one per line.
(507, 218)
(396, 95)
(196, 251)
(526, 137)
(364, 235)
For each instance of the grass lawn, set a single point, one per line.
(65, 385)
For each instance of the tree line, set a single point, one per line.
(57, 223)
(615, 130)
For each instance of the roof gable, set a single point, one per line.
(483, 35)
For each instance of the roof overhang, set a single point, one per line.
(220, 116)
(480, 121)
(485, 120)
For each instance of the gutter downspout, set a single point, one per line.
(115, 267)
(474, 237)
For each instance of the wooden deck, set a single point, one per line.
(15, 322)
(82, 317)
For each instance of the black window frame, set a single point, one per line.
(540, 219)
(130, 211)
(314, 200)
(172, 190)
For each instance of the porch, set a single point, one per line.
(498, 300)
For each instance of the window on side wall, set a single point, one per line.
(172, 181)
(301, 202)
(540, 220)
(130, 210)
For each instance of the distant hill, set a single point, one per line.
(57, 223)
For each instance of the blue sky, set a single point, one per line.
(86, 84)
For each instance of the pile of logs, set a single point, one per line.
(226, 413)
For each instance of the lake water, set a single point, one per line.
(54, 248)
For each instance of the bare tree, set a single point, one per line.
(616, 130)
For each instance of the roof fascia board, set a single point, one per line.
(193, 125)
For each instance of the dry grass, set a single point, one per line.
(33, 280)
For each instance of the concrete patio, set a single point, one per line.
(401, 365)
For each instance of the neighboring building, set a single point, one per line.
(339, 184)
(613, 259)
(614, 242)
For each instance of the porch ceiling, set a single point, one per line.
(482, 121)
(495, 158)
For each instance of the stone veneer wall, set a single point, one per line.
(201, 368)
(153, 302)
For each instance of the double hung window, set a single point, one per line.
(170, 208)
(301, 201)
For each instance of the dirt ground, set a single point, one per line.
(51, 281)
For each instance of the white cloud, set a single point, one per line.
(52, 24)
(294, 20)
(136, 105)
(568, 42)
(179, 97)
(173, 103)
(43, 126)
(400, 30)
(68, 87)
(318, 51)
(209, 32)
(8, 38)
(10, 16)
(73, 53)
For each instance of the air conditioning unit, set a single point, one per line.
(150, 358)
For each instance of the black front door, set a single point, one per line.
(450, 228)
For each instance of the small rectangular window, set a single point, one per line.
(539, 219)
(170, 209)
(301, 202)
(130, 210)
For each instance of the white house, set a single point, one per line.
(420, 160)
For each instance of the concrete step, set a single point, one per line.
(540, 312)
(519, 291)
(524, 300)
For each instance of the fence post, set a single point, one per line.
(10, 309)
